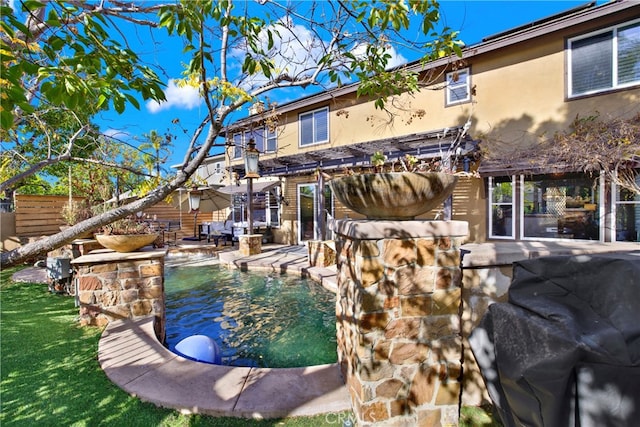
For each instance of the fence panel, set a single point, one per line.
(40, 215)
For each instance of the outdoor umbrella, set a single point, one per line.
(211, 200)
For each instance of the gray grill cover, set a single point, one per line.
(565, 349)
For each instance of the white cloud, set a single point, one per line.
(116, 133)
(395, 60)
(296, 51)
(186, 98)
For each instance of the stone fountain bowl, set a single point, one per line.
(126, 242)
(393, 195)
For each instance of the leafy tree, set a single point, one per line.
(160, 149)
(68, 54)
(607, 145)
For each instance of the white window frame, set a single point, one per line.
(272, 203)
(600, 208)
(258, 137)
(274, 195)
(614, 63)
(237, 145)
(513, 210)
(453, 84)
(614, 211)
(271, 140)
(315, 140)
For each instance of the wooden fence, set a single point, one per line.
(38, 215)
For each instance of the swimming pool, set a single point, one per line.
(257, 319)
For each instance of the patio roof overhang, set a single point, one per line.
(491, 167)
(426, 145)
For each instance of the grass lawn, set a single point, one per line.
(50, 374)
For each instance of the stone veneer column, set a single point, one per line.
(250, 244)
(398, 320)
(112, 285)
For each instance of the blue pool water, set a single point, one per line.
(257, 319)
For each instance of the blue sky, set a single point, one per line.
(474, 19)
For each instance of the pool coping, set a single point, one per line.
(132, 358)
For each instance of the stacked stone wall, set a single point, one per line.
(250, 244)
(398, 326)
(124, 288)
(321, 253)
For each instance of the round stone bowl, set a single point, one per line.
(393, 195)
(125, 242)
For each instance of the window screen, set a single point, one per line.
(606, 60)
(314, 127)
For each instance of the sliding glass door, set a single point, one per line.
(309, 220)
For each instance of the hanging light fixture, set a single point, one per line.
(251, 156)
(194, 207)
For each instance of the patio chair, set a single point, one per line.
(216, 230)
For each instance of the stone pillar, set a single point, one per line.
(321, 253)
(112, 285)
(398, 320)
(250, 244)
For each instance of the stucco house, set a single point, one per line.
(511, 89)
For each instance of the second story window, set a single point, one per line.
(272, 140)
(258, 137)
(314, 127)
(605, 60)
(458, 86)
(237, 146)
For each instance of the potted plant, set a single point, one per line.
(73, 212)
(395, 193)
(126, 235)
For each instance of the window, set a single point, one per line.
(308, 211)
(627, 212)
(272, 140)
(458, 87)
(258, 137)
(237, 146)
(314, 127)
(606, 60)
(501, 199)
(240, 141)
(266, 207)
(273, 207)
(563, 207)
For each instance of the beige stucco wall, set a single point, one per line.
(520, 96)
(8, 239)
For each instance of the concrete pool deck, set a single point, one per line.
(133, 359)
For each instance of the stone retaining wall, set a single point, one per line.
(114, 285)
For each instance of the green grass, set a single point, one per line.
(50, 374)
